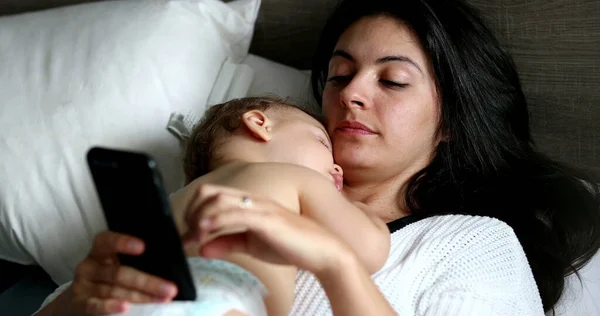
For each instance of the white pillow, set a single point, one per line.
(109, 74)
(275, 78)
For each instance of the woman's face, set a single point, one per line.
(380, 101)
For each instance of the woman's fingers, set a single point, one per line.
(274, 235)
(108, 244)
(223, 222)
(263, 234)
(103, 286)
(111, 291)
(215, 203)
(212, 200)
(126, 277)
(131, 278)
(236, 219)
(206, 192)
(97, 306)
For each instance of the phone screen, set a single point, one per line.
(134, 201)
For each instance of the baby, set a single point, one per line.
(268, 147)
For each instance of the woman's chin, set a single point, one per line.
(352, 158)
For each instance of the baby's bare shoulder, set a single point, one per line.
(278, 170)
(279, 181)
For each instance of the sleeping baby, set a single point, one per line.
(267, 147)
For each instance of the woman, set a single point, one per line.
(430, 124)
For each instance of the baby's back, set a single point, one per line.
(278, 181)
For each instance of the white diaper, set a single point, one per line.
(220, 287)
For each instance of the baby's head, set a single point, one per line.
(258, 129)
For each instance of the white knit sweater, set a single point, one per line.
(446, 265)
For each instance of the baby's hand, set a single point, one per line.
(103, 286)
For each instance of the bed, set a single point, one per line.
(267, 48)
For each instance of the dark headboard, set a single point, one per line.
(555, 43)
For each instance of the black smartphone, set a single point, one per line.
(134, 202)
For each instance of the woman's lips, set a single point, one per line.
(354, 128)
(354, 131)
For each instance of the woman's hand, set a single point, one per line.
(103, 286)
(240, 222)
(225, 220)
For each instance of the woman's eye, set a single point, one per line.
(339, 79)
(345, 79)
(394, 84)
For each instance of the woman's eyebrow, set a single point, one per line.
(399, 58)
(342, 53)
(395, 58)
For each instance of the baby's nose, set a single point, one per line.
(337, 170)
(338, 177)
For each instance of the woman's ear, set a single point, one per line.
(258, 124)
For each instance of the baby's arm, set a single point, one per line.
(368, 236)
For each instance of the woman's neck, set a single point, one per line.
(382, 198)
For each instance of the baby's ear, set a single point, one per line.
(258, 124)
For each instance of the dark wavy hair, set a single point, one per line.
(489, 165)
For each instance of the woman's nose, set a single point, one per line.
(354, 94)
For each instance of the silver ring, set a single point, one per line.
(246, 202)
